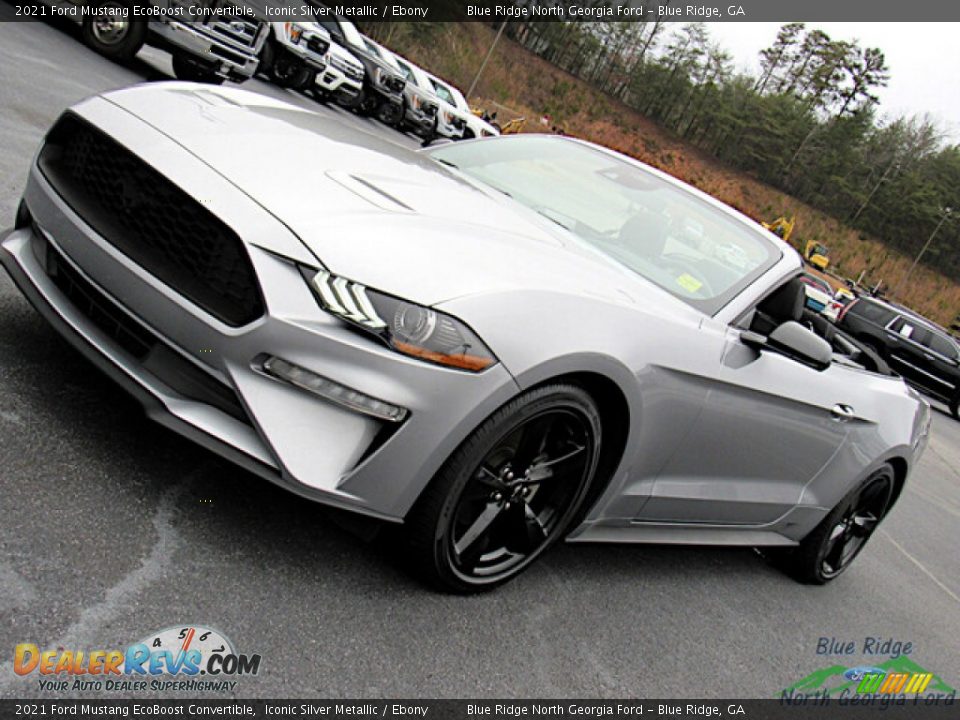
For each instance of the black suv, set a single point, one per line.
(923, 353)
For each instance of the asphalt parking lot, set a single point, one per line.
(112, 528)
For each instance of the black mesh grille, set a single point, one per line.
(151, 220)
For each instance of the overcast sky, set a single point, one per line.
(924, 61)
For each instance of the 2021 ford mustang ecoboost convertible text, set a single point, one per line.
(496, 343)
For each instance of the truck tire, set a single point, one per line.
(267, 55)
(389, 113)
(289, 73)
(187, 69)
(117, 40)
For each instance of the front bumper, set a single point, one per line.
(317, 449)
(452, 130)
(303, 52)
(421, 121)
(228, 60)
(334, 81)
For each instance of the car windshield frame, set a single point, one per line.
(559, 177)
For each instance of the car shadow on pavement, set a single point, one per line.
(243, 520)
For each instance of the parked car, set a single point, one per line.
(420, 105)
(922, 352)
(490, 345)
(819, 295)
(382, 93)
(342, 80)
(459, 109)
(203, 50)
(294, 53)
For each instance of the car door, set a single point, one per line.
(769, 425)
(906, 338)
(942, 363)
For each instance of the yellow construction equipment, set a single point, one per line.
(781, 227)
(817, 255)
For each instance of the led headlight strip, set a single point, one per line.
(406, 327)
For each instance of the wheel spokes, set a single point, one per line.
(506, 513)
(543, 470)
(533, 440)
(478, 528)
(525, 532)
(863, 524)
(835, 548)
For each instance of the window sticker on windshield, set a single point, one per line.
(689, 283)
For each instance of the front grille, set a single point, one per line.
(178, 373)
(352, 71)
(317, 45)
(152, 221)
(232, 25)
(395, 84)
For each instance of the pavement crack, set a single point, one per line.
(152, 568)
(920, 565)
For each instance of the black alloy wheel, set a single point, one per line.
(508, 492)
(835, 543)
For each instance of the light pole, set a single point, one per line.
(891, 166)
(903, 280)
(476, 78)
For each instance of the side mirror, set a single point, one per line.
(795, 341)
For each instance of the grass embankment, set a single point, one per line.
(517, 79)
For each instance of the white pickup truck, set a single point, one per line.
(294, 53)
(210, 40)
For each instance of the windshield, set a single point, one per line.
(442, 92)
(458, 98)
(668, 235)
(351, 33)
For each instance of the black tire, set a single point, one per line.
(187, 69)
(468, 134)
(955, 407)
(288, 72)
(389, 113)
(843, 533)
(476, 501)
(117, 40)
(267, 56)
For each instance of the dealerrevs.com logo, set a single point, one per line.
(185, 658)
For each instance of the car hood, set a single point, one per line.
(378, 213)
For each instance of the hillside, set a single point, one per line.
(529, 86)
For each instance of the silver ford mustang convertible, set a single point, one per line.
(494, 344)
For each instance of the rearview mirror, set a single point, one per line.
(795, 341)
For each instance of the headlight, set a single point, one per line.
(406, 327)
(448, 117)
(293, 32)
(415, 101)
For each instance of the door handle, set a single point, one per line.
(842, 413)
